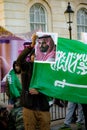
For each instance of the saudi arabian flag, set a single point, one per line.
(67, 78)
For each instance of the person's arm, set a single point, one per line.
(23, 55)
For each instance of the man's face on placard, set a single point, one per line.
(43, 45)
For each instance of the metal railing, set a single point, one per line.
(57, 113)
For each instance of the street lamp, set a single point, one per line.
(69, 17)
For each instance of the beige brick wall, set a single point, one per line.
(15, 15)
(2, 18)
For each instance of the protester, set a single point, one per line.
(35, 104)
(45, 49)
(13, 83)
(16, 117)
(69, 114)
(13, 91)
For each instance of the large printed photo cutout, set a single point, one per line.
(45, 48)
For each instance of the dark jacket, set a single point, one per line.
(16, 117)
(34, 102)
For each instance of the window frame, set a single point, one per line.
(81, 22)
(38, 17)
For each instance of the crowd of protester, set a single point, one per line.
(27, 109)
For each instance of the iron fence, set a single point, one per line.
(57, 113)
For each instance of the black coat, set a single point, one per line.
(34, 102)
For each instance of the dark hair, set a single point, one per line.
(44, 36)
(15, 63)
(27, 43)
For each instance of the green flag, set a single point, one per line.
(66, 78)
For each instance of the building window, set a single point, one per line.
(38, 19)
(81, 22)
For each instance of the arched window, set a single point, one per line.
(81, 22)
(38, 19)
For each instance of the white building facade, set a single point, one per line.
(21, 16)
